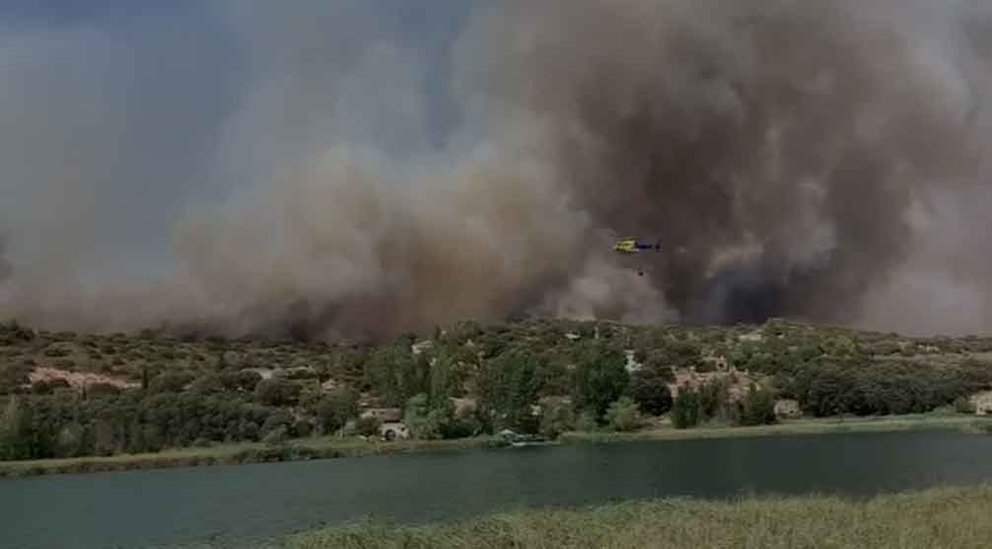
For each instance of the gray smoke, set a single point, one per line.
(795, 136)
(5, 268)
(814, 160)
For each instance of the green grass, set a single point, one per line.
(967, 423)
(302, 449)
(945, 517)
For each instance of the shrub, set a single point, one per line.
(963, 405)
(276, 436)
(277, 392)
(170, 382)
(102, 389)
(555, 421)
(368, 426)
(587, 421)
(622, 414)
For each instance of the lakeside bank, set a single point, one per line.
(814, 426)
(244, 453)
(940, 517)
(332, 447)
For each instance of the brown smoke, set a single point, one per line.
(778, 149)
(798, 131)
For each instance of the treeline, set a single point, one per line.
(541, 377)
(830, 388)
(67, 425)
(712, 402)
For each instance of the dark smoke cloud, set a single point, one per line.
(800, 132)
(796, 159)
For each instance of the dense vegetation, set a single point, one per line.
(948, 517)
(152, 391)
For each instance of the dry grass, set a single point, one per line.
(946, 517)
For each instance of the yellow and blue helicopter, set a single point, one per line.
(632, 246)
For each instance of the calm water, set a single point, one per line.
(229, 505)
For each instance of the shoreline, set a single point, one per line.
(333, 448)
(238, 454)
(948, 516)
(808, 427)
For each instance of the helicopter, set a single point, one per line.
(633, 246)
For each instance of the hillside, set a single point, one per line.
(67, 394)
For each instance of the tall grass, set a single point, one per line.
(945, 517)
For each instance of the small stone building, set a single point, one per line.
(787, 408)
(465, 406)
(384, 415)
(982, 403)
(394, 430)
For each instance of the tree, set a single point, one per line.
(426, 421)
(509, 386)
(387, 373)
(759, 407)
(310, 395)
(335, 409)
(650, 390)
(15, 431)
(600, 377)
(622, 414)
(556, 419)
(685, 409)
(586, 421)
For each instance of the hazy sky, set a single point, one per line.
(136, 109)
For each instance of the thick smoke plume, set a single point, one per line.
(817, 160)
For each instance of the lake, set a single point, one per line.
(247, 504)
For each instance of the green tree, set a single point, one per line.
(335, 409)
(586, 421)
(310, 395)
(759, 407)
(685, 409)
(509, 386)
(650, 389)
(15, 431)
(600, 377)
(426, 421)
(388, 374)
(556, 419)
(622, 415)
